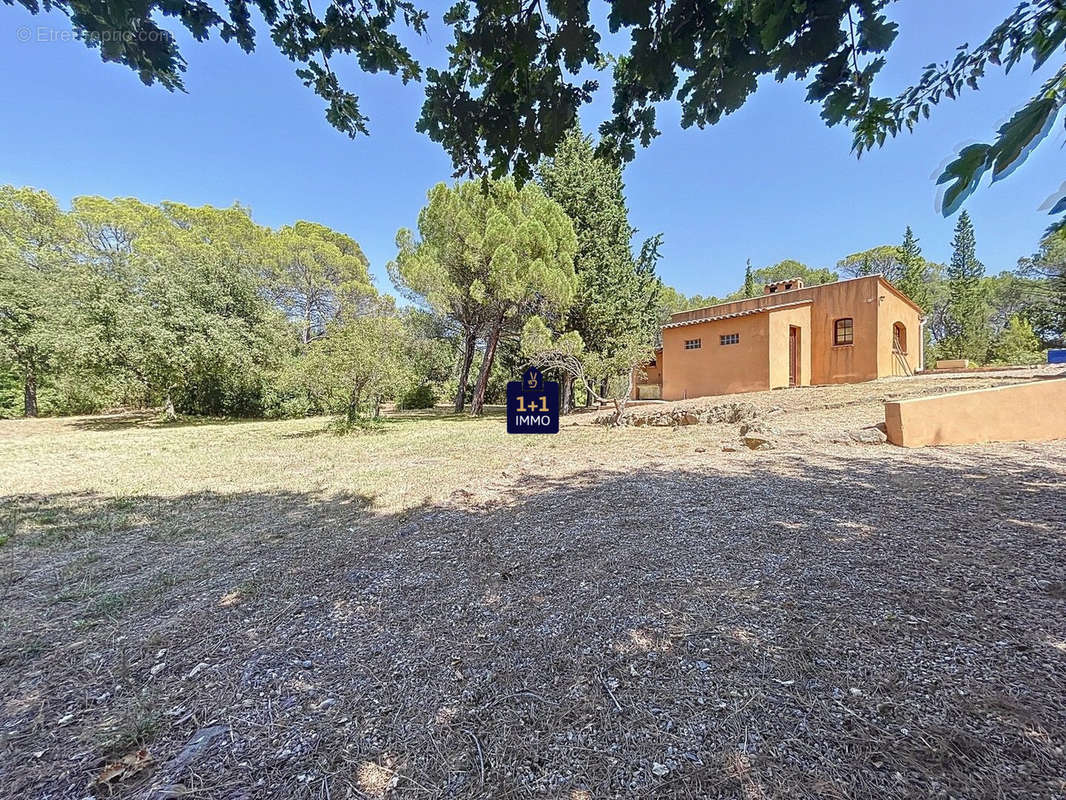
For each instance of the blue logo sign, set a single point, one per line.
(532, 404)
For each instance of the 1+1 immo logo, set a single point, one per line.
(532, 404)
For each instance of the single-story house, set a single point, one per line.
(793, 335)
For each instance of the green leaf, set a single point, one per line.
(1021, 133)
(876, 33)
(964, 173)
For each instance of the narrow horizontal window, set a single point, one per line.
(844, 331)
(693, 344)
(730, 338)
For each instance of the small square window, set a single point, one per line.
(844, 331)
(730, 338)
(693, 344)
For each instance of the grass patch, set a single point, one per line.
(132, 727)
(342, 426)
(108, 604)
(137, 468)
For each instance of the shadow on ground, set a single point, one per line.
(154, 419)
(492, 412)
(864, 629)
(150, 418)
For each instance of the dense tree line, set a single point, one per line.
(195, 310)
(1010, 317)
(203, 311)
(555, 256)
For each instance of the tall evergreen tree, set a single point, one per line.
(617, 296)
(967, 335)
(912, 277)
(438, 273)
(749, 281)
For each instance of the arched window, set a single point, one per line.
(844, 331)
(899, 338)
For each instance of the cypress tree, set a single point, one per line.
(617, 293)
(912, 278)
(967, 335)
(749, 281)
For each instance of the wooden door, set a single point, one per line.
(793, 356)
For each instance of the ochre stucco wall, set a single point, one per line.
(716, 368)
(1029, 412)
(653, 374)
(849, 363)
(650, 374)
(780, 322)
(871, 302)
(892, 309)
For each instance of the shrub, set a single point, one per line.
(419, 397)
(1017, 344)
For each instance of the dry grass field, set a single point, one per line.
(439, 610)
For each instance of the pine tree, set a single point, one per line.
(505, 252)
(614, 294)
(749, 281)
(912, 279)
(967, 334)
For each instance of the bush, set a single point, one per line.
(419, 397)
(1017, 344)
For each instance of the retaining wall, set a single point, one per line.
(1030, 412)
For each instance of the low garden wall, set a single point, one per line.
(1031, 412)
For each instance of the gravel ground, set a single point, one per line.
(823, 410)
(650, 617)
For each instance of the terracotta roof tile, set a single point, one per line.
(745, 313)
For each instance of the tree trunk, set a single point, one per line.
(478, 402)
(469, 343)
(353, 409)
(29, 395)
(620, 403)
(566, 401)
(168, 408)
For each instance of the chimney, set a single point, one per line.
(783, 286)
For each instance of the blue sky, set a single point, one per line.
(768, 183)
